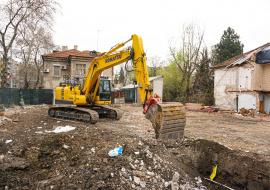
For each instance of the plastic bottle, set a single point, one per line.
(115, 152)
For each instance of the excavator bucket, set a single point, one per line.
(168, 119)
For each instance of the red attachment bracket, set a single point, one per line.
(152, 100)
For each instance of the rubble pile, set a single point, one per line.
(17, 110)
(70, 161)
(37, 152)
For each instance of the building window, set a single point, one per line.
(56, 70)
(80, 69)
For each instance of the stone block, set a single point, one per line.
(11, 105)
(2, 107)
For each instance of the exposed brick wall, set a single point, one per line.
(261, 77)
(245, 79)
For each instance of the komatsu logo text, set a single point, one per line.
(113, 58)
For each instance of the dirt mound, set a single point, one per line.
(34, 156)
(74, 161)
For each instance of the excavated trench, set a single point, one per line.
(32, 158)
(235, 169)
(194, 157)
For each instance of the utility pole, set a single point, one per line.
(11, 64)
(98, 39)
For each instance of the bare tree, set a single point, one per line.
(43, 46)
(33, 41)
(187, 56)
(154, 63)
(13, 14)
(33, 44)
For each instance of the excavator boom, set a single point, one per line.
(168, 119)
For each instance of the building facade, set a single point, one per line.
(242, 82)
(72, 63)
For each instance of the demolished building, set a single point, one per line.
(244, 81)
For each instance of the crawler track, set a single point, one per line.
(110, 112)
(89, 114)
(74, 113)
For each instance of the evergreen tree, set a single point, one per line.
(203, 85)
(122, 76)
(116, 79)
(228, 47)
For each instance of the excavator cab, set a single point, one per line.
(104, 92)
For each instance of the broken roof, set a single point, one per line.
(73, 52)
(239, 59)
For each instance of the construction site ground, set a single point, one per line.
(36, 154)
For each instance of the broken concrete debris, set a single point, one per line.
(175, 180)
(59, 161)
(210, 109)
(194, 106)
(137, 180)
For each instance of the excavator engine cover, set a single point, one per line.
(168, 120)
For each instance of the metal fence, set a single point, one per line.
(130, 95)
(30, 96)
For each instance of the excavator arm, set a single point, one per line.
(168, 119)
(112, 58)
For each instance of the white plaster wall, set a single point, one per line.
(244, 78)
(158, 87)
(246, 101)
(266, 103)
(225, 80)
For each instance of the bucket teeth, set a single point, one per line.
(168, 120)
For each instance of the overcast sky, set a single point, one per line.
(100, 24)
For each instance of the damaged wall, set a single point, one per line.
(261, 77)
(241, 82)
(247, 101)
(266, 103)
(224, 82)
(244, 77)
(234, 85)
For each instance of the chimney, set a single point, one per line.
(64, 48)
(76, 47)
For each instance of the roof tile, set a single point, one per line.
(72, 52)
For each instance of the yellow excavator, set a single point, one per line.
(92, 99)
